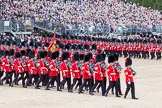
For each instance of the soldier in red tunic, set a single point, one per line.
(129, 73)
(42, 69)
(98, 75)
(1, 66)
(103, 70)
(65, 69)
(19, 69)
(86, 75)
(32, 69)
(118, 70)
(76, 72)
(8, 69)
(112, 75)
(53, 72)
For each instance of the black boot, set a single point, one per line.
(135, 98)
(46, 88)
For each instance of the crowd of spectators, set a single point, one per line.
(89, 12)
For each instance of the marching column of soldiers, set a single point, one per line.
(79, 65)
(78, 62)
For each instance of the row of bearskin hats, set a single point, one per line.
(12, 52)
(75, 46)
(115, 57)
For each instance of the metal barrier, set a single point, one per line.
(28, 24)
(132, 29)
(23, 25)
(72, 29)
(157, 28)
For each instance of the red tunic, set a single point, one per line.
(42, 69)
(75, 70)
(128, 75)
(111, 73)
(85, 71)
(18, 66)
(24, 60)
(52, 69)
(65, 70)
(31, 67)
(6, 65)
(97, 72)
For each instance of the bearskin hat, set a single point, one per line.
(17, 54)
(111, 59)
(80, 47)
(67, 46)
(103, 56)
(61, 46)
(86, 47)
(53, 56)
(31, 54)
(76, 56)
(94, 46)
(12, 52)
(128, 61)
(116, 57)
(74, 46)
(158, 41)
(98, 58)
(45, 53)
(65, 56)
(47, 44)
(23, 52)
(81, 56)
(49, 54)
(57, 42)
(6, 53)
(1, 53)
(86, 58)
(90, 55)
(56, 53)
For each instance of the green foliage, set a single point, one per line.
(155, 4)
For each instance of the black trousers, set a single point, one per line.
(77, 85)
(42, 78)
(8, 77)
(158, 54)
(26, 76)
(31, 76)
(132, 87)
(105, 82)
(111, 85)
(53, 79)
(119, 87)
(152, 55)
(16, 78)
(100, 82)
(45, 79)
(147, 54)
(68, 80)
(1, 74)
(79, 80)
(89, 81)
